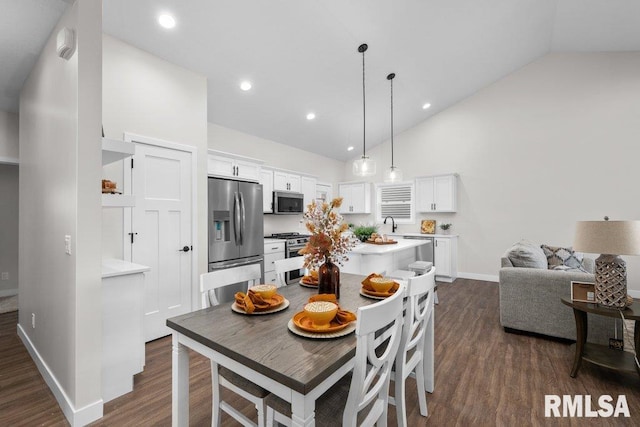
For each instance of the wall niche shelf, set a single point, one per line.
(118, 201)
(114, 150)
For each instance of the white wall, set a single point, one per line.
(9, 201)
(8, 137)
(148, 96)
(9, 228)
(60, 114)
(277, 155)
(551, 144)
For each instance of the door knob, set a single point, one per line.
(185, 249)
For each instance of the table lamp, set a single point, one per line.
(611, 239)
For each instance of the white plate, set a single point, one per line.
(341, 333)
(368, 296)
(307, 285)
(281, 307)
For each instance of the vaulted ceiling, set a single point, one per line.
(301, 55)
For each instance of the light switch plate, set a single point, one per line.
(5, 275)
(67, 244)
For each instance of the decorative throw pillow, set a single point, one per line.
(558, 258)
(526, 254)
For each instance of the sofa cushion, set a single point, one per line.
(526, 254)
(559, 258)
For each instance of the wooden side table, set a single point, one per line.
(599, 354)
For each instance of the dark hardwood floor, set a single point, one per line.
(484, 376)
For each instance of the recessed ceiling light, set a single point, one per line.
(167, 21)
(350, 148)
(311, 116)
(245, 85)
(425, 106)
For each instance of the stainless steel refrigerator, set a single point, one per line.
(235, 227)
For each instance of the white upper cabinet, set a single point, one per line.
(228, 165)
(436, 193)
(266, 179)
(356, 197)
(308, 188)
(285, 181)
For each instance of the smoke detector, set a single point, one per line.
(66, 44)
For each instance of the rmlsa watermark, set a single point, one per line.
(582, 406)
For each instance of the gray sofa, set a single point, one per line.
(530, 301)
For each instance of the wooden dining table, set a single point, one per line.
(262, 349)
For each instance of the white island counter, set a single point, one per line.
(369, 258)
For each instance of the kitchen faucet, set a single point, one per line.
(393, 223)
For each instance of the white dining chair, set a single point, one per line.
(361, 397)
(418, 321)
(221, 376)
(283, 266)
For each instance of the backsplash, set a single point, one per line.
(283, 224)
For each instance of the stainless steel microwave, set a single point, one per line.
(287, 203)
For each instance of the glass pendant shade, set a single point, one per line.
(393, 174)
(364, 166)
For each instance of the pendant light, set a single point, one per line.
(393, 174)
(364, 166)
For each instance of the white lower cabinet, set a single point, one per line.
(123, 351)
(445, 258)
(273, 251)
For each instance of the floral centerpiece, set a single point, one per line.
(328, 242)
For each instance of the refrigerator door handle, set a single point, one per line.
(226, 265)
(236, 218)
(242, 218)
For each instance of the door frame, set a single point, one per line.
(128, 217)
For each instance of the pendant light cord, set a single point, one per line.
(392, 121)
(364, 110)
(390, 77)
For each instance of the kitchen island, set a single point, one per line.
(369, 258)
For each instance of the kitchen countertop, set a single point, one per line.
(371, 249)
(119, 267)
(422, 235)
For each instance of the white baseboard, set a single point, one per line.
(8, 293)
(477, 276)
(9, 160)
(76, 417)
(635, 294)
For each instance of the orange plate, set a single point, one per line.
(304, 323)
(308, 283)
(274, 302)
(377, 294)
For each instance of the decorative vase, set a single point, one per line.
(329, 278)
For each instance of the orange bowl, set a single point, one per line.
(321, 313)
(265, 291)
(381, 284)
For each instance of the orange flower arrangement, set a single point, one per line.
(328, 241)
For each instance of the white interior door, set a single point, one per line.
(162, 183)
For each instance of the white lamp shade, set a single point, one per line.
(608, 237)
(393, 174)
(364, 166)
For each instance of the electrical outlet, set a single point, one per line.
(67, 244)
(33, 320)
(616, 344)
(5, 275)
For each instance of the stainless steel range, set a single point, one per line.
(293, 243)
